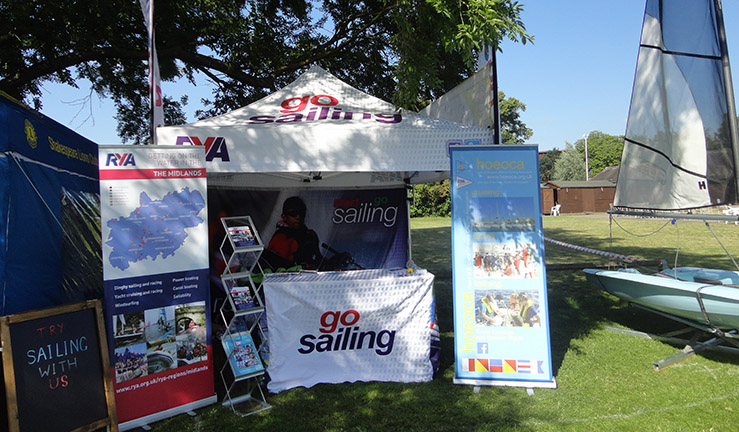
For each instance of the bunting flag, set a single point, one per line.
(155, 89)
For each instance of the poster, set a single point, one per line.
(501, 325)
(155, 267)
(353, 229)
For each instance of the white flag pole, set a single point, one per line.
(155, 89)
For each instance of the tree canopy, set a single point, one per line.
(513, 130)
(570, 165)
(603, 151)
(405, 51)
(546, 164)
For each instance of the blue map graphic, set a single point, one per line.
(156, 227)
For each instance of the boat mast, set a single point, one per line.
(731, 109)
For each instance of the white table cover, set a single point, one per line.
(333, 327)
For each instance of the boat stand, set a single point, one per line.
(692, 346)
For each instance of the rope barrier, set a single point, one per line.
(625, 258)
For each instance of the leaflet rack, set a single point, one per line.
(242, 315)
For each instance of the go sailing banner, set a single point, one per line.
(501, 326)
(334, 327)
(353, 229)
(155, 269)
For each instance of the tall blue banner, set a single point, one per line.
(501, 324)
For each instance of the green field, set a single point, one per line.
(605, 378)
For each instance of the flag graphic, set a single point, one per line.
(462, 182)
(155, 89)
(524, 366)
(496, 365)
(468, 365)
(540, 366)
(481, 365)
(509, 366)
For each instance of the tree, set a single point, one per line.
(603, 151)
(432, 199)
(546, 164)
(570, 165)
(513, 130)
(407, 51)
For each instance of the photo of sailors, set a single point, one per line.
(507, 308)
(505, 260)
(158, 339)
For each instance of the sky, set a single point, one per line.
(575, 78)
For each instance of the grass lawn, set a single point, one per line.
(605, 379)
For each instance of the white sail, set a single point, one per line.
(678, 152)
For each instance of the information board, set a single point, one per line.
(55, 363)
(501, 324)
(154, 226)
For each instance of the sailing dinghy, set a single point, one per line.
(680, 153)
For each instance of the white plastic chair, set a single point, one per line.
(555, 210)
(731, 211)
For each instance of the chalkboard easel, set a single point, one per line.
(56, 369)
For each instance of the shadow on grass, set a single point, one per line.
(438, 405)
(575, 309)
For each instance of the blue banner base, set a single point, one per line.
(501, 383)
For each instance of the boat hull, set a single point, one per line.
(674, 296)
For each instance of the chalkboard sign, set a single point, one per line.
(56, 369)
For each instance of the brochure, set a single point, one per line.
(242, 298)
(242, 236)
(244, 359)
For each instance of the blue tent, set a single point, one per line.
(49, 209)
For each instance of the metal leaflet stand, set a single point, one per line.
(243, 370)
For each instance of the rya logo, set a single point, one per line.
(120, 159)
(340, 334)
(215, 147)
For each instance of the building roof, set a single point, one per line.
(610, 174)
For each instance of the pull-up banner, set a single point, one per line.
(501, 325)
(154, 221)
